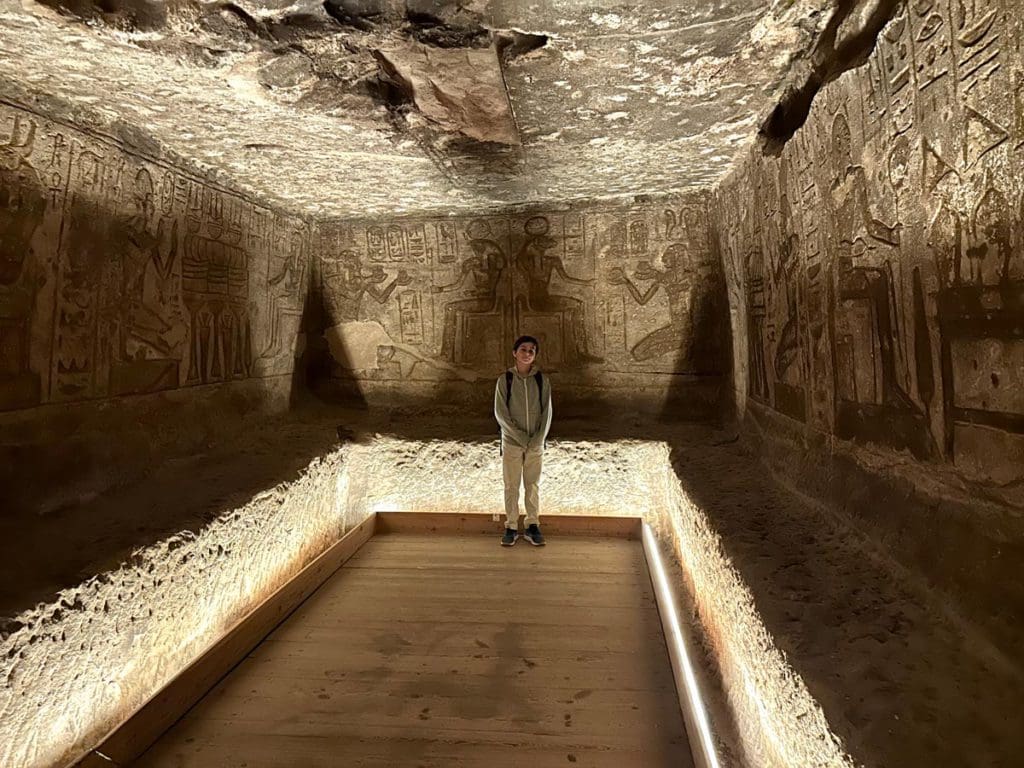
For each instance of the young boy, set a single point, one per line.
(522, 406)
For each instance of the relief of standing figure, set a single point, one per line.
(22, 208)
(150, 316)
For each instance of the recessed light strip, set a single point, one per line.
(695, 714)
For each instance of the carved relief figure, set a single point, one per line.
(789, 397)
(757, 311)
(990, 244)
(817, 290)
(789, 394)
(151, 330)
(22, 206)
(87, 236)
(536, 266)
(286, 287)
(902, 316)
(346, 282)
(871, 376)
(362, 345)
(215, 287)
(676, 281)
(980, 303)
(857, 282)
(850, 196)
(482, 274)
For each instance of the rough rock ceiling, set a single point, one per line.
(307, 104)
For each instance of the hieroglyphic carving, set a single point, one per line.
(617, 237)
(668, 297)
(411, 308)
(614, 326)
(389, 336)
(447, 242)
(132, 277)
(931, 40)
(978, 32)
(376, 244)
(215, 291)
(897, 68)
(416, 237)
(573, 237)
(396, 243)
(491, 278)
(23, 204)
(474, 322)
(676, 279)
(150, 331)
(286, 278)
(560, 314)
(638, 237)
(911, 301)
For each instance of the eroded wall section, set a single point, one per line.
(123, 275)
(621, 298)
(875, 268)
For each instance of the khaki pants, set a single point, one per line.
(519, 465)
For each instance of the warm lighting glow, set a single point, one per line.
(116, 639)
(777, 719)
(84, 663)
(705, 754)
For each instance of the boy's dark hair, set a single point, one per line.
(526, 340)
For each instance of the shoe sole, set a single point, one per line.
(535, 543)
(508, 544)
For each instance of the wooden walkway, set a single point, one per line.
(447, 650)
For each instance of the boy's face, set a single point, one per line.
(525, 354)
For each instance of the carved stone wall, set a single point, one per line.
(123, 275)
(875, 269)
(144, 309)
(619, 297)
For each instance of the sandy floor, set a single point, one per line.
(902, 680)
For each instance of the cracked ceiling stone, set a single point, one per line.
(513, 43)
(138, 14)
(458, 89)
(287, 103)
(845, 43)
(290, 70)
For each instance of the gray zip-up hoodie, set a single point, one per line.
(522, 421)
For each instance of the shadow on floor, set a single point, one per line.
(900, 680)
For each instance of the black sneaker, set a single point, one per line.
(511, 534)
(534, 536)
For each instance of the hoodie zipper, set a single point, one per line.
(526, 397)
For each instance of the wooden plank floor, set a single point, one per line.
(433, 650)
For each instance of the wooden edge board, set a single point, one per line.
(667, 610)
(482, 523)
(141, 729)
